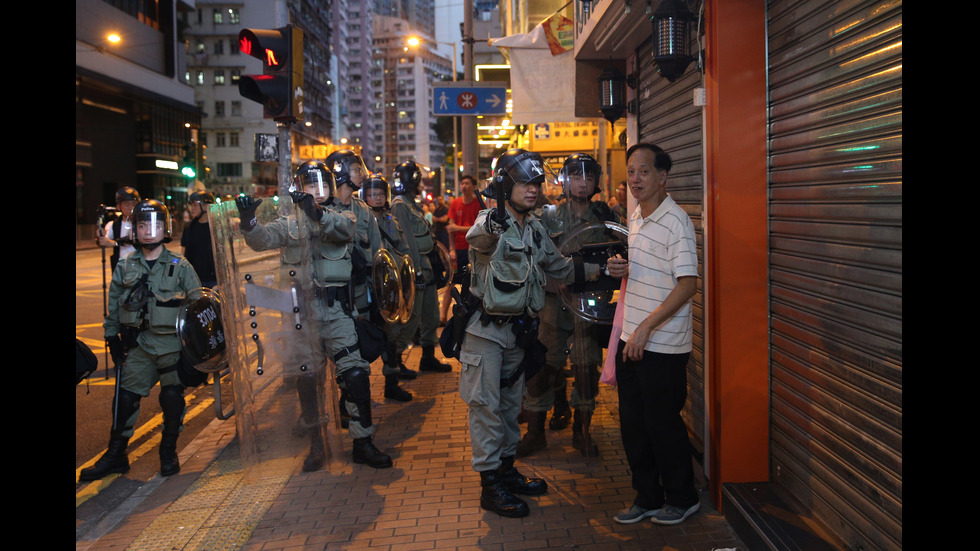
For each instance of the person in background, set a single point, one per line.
(118, 233)
(195, 241)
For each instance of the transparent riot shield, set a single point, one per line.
(443, 267)
(407, 278)
(284, 391)
(593, 306)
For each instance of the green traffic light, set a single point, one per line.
(188, 171)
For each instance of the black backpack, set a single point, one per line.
(85, 361)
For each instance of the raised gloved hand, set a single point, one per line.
(246, 209)
(308, 204)
(495, 223)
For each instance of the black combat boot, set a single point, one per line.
(169, 463)
(366, 452)
(534, 439)
(395, 392)
(581, 434)
(517, 483)
(393, 358)
(114, 460)
(317, 454)
(430, 363)
(495, 497)
(562, 414)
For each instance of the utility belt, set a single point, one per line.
(525, 327)
(330, 295)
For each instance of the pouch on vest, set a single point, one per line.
(512, 283)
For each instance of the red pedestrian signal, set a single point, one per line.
(280, 86)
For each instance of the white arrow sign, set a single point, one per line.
(493, 100)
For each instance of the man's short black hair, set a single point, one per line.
(467, 177)
(661, 160)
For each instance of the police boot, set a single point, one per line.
(114, 460)
(430, 363)
(495, 497)
(314, 460)
(365, 452)
(172, 404)
(562, 414)
(395, 392)
(517, 483)
(534, 439)
(581, 434)
(404, 373)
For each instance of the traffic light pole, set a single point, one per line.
(285, 166)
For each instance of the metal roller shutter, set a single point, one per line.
(668, 118)
(835, 169)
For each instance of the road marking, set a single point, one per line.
(93, 488)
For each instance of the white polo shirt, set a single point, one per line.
(662, 248)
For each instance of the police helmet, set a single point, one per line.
(342, 163)
(406, 179)
(375, 181)
(127, 194)
(201, 196)
(157, 216)
(582, 165)
(518, 166)
(314, 174)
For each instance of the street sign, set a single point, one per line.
(469, 98)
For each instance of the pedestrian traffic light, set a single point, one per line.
(280, 86)
(188, 165)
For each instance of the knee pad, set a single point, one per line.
(358, 384)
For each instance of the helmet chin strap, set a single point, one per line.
(517, 209)
(151, 246)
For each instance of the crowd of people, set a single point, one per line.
(516, 255)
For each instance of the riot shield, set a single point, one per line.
(284, 391)
(200, 329)
(594, 306)
(443, 267)
(407, 278)
(387, 285)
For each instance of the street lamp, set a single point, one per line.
(415, 41)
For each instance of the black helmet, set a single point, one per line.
(517, 166)
(201, 196)
(406, 179)
(315, 174)
(127, 194)
(375, 181)
(154, 212)
(340, 163)
(576, 165)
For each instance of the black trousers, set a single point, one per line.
(652, 392)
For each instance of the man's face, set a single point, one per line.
(621, 194)
(376, 198)
(646, 183)
(581, 185)
(127, 208)
(195, 208)
(467, 187)
(356, 173)
(149, 231)
(525, 196)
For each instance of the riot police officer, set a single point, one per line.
(406, 184)
(195, 240)
(510, 253)
(565, 334)
(147, 289)
(330, 235)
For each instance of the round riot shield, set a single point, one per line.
(387, 285)
(407, 275)
(202, 337)
(442, 265)
(595, 243)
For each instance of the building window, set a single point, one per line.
(218, 16)
(199, 46)
(234, 17)
(219, 109)
(219, 77)
(219, 139)
(233, 139)
(219, 47)
(199, 79)
(236, 108)
(229, 169)
(236, 75)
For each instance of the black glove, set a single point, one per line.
(495, 226)
(116, 350)
(246, 209)
(308, 204)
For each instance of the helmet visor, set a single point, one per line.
(317, 183)
(579, 179)
(152, 227)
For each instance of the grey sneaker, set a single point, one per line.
(674, 515)
(634, 514)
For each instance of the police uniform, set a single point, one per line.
(366, 241)
(490, 351)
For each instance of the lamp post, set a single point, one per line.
(415, 41)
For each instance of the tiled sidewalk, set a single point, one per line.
(428, 500)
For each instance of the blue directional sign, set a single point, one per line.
(469, 98)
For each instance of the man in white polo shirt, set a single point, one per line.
(651, 361)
